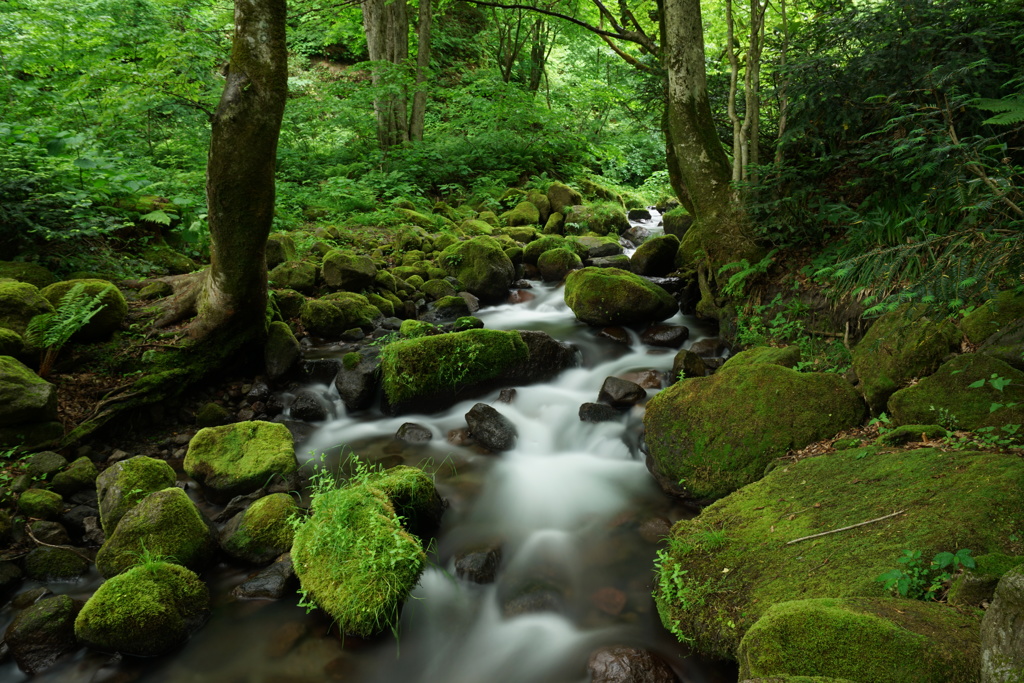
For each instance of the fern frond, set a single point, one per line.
(75, 310)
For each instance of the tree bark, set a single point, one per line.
(240, 174)
(419, 98)
(387, 41)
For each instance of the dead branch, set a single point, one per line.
(845, 528)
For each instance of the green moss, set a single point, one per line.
(992, 316)
(122, 485)
(79, 475)
(555, 264)
(55, 564)
(355, 561)
(864, 639)
(331, 315)
(787, 356)
(110, 316)
(950, 500)
(450, 307)
(467, 322)
(166, 524)
(411, 329)
(482, 267)
(212, 415)
(348, 270)
(413, 497)
(239, 458)
(437, 289)
(11, 343)
(19, 303)
(23, 271)
(525, 213)
(601, 218)
(610, 296)
(351, 360)
(900, 346)
(978, 586)
(383, 305)
(446, 362)
(264, 530)
(522, 234)
(147, 611)
(40, 503)
(912, 433)
(24, 396)
(534, 249)
(297, 275)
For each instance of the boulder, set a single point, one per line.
(723, 569)
(625, 664)
(43, 633)
(410, 432)
(603, 218)
(977, 586)
(55, 564)
(589, 247)
(357, 381)
(297, 275)
(40, 503)
(263, 531)
(525, 213)
(491, 429)
(863, 639)
(438, 289)
(717, 434)
(787, 356)
(19, 303)
(598, 412)
(167, 526)
(1007, 344)
(901, 345)
(11, 343)
(80, 475)
(121, 486)
(282, 350)
(348, 271)
(555, 224)
(676, 222)
(310, 406)
(666, 336)
(534, 250)
(271, 583)
(147, 611)
(655, 257)
(447, 309)
(24, 396)
(620, 261)
(1002, 631)
(26, 271)
(332, 315)
(609, 296)
(561, 196)
(543, 204)
(112, 312)
(168, 261)
(621, 393)
(992, 316)
(556, 264)
(686, 364)
(482, 267)
(239, 458)
(479, 565)
(280, 248)
(947, 397)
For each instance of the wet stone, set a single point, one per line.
(616, 334)
(321, 370)
(639, 215)
(478, 566)
(609, 600)
(709, 348)
(598, 412)
(460, 437)
(655, 529)
(50, 533)
(491, 429)
(621, 664)
(44, 464)
(621, 393)
(668, 336)
(309, 406)
(507, 395)
(271, 583)
(410, 432)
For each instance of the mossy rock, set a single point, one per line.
(414, 497)
(610, 296)
(556, 264)
(474, 227)
(467, 322)
(79, 475)
(591, 189)
(787, 356)
(992, 316)
(108, 320)
(349, 271)
(11, 343)
(25, 397)
(716, 243)
(589, 246)
(947, 397)
(1002, 652)
(355, 561)
(482, 267)
(523, 234)
(280, 248)
(716, 434)
(533, 250)
(561, 196)
(157, 289)
(555, 224)
(23, 271)
(384, 306)
(541, 201)
(676, 221)
(288, 302)
(55, 564)
(525, 213)
(977, 586)
(948, 500)
(900, 346)
(40, 503)
(261, 532)
(905, 434)
(431, 223)
(297, 275)
(413, 369)
(239, 458)
(449, 308)
(655, 257)
(43, 633)
(19, 303)
(121, 486)
(281, 352)
(865, 640)
(1007, 345)
(438, 289)
(411, 329)
(166, 525)
(147, 611)
(212, 415)
(333, 314)
(602, 218)
(169, 260)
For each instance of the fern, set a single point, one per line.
(51, 331)
(1009, 111)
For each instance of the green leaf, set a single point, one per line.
(85, 162)
(157, 216)
(977, 385)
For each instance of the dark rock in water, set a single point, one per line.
(239, 504)
(472, 301)
(689, 364)
(616, 334)
(520, 296)
(609, 600)
(507, 395)
(321, 370)
(709, 348)
(43, 633)
(621, 664)
(55, 564)
(670, 336)
(411, 432)
(655, 529)
(310, 406)
(275, 405)
(10, 578)
(50, 533)
(647, 379)
(639, 215)
(271, 583)
(357, 382)
(478, 566)
(598, 412)
(491, 429)
(540, 600)
(460, 437)
(30, 597)
(637, 235)
(621, 393)
(300, 431)
(92, 532)
(259, 392)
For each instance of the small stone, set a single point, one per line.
(410, 432)
(272, 583)
(507, 395)
(491, 429)
(609, 600)
(621, 393)
(655, 529)
(620, 664)
(670, 336)
(478, 566)
(598, 412)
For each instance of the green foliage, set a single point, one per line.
(781, 323)
(737, 282)
(51, 331)
(920, 581)
(675, 587)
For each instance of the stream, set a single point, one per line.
(571, 508)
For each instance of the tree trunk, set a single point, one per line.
(232, 298)
(387, 41)
(419, 98)
(538, 55)
(721, 232)
(734, 74)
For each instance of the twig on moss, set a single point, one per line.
(845, 528)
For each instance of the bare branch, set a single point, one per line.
(629, 36)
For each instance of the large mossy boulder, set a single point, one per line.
(25, 397)
(992, 316)
(901, 345)
(561, 196)
(261, 532)
(349, 271)
(723, 569)
(864, 640)
(716, 434)
(947, 397)
(1007, 344)
(786, 356)
(336, 313)
(24, 271)
(525, 213)
(353, 557)
(482, 266)
(1002, 632)
(604, 218)
(655, 257)
(147, 611)
(297, 275)
(280, 248)
(611, 296)
(676, 221)
(239, 458)
(112, 312)
(19, 303)
(121, 486)
(556, 264)
(43, 633)
(165, 525)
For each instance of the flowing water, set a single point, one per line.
(565, 506)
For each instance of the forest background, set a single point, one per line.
(875, 146)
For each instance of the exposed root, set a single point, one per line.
(181, 304)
